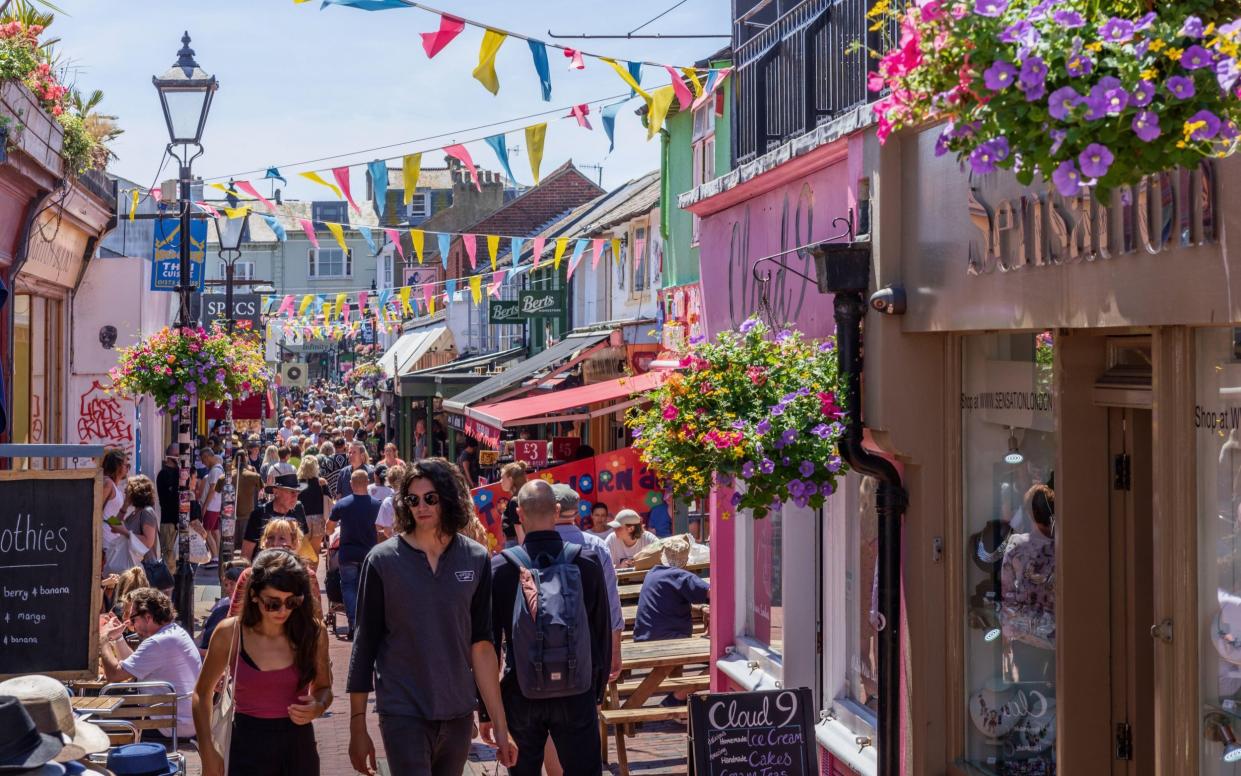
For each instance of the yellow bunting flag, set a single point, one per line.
(342, 310)
(692, 75)
(327, 311)
(493, 248)
(317, 178)
(431, 304)
(661, 101)
(535, 135)
(133, 203)
(616, 249)
(227, 191)
(486, 70)
(476, 288)
(339, 234)
(307, 300)
(561, 244)
(235, 212)
(403, 294)
(417, 237)
(628, 78)
(411, 168)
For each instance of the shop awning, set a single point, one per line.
(516, 374)
(564, 405)
(409, 348)
(250, 408)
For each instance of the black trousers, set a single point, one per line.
(423, 747)
(573, 724)
(272, 747)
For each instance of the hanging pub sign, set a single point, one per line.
(166, 273)
(505, 311)
(765, 732)
(246, 309)
(542, 303)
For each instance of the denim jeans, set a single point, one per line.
(349, 574)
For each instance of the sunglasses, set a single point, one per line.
(275, 604)
(412, 500)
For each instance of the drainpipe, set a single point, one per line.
(844, 271)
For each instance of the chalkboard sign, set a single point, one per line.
(768, 733)
(49, 573)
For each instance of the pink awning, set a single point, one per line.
(558, 405)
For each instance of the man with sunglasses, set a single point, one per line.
(284, 503)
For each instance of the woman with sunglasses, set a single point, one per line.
(278, 534)
(277, 654)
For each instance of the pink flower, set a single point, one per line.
(757, 375)
(670, 412)
(828, 405)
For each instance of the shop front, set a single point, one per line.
(1063, 393)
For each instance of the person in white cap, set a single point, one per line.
(47, 702)
(629, 538)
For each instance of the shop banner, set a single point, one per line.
(167, 253)
(505, 311)
(618, 479)
(548, 303)
(247, 310)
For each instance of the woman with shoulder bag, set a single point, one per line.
(139, 524)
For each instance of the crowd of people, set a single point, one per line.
(446, 635)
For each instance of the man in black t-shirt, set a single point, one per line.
(468, 461)
(166, 487)
(284, 504)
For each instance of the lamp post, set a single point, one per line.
(185, 93)
(262, 290)
(230, 232)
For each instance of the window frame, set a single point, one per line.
(312, 267)
(702, 157)
(414, 210)
(638, 271)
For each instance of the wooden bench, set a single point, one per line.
(671, 684)
(619, 719)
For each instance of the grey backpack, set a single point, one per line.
(550, 633)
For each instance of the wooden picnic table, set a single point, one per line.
(630, 613)
(630, 593)
(631, 576)
(662, 658)
(96, 704)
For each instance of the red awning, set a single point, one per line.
(556, 405)
(247, 409)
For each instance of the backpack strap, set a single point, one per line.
(518, 557)
(569, 553)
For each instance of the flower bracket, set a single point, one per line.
(763, 274)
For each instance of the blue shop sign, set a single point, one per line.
(167, 253)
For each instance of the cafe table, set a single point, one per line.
(89, 705)
(662, 658)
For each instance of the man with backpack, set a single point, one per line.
(550, 613)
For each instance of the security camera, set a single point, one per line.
(889, 300)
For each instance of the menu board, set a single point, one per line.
(768, 733)
(49, 573)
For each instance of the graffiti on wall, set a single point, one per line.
(104, 419)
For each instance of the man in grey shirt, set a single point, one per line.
(566, 525)
(424, 630)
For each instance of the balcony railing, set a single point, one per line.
(807, 67)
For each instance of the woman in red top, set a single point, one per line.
(277, 653)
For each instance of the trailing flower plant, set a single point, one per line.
(752, 406)
(1084, 94)
(177, 367)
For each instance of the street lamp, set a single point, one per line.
(230, 232)
(185, 93)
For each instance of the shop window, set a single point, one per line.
(640, 269)
(1008, 439)
(765, 617)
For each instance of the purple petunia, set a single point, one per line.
(767, 466)
(1145, 22)
(1146, 126)
(1227, 72)
(788, 436)
(1192, 28)
(762, 427)
(1095, 160)
(747, 470)
(1142, 94)
(1062, 102)
(1033, 78)
(1057, 136)
(747, 325)
(1079, 65)
(1067, 179)
(833, 466)
(736, 499)
(777, 410)
(1196, 58)
(999, 76)
(1181, 87)
(1069, 20)
(1115, 101)
(821, 431)
(1116, 30)
(795, 488)
(806, 468)
(827, 346)
(1096, 103)
(990, 8)
(1207, 132)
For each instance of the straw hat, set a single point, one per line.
(47, 702)
(675, 552)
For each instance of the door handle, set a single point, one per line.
(1162, 630)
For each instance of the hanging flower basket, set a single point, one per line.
(752, 406)
(177, 367)
(366, 375)
(1087, 95)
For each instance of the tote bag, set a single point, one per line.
(225, 705)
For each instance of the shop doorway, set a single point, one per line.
(1132, 572)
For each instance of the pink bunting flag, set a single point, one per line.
(428, 293)
(395, 237)
(707, 93)
(309, 228)
(214, 213)
(539, 244)
(434, 42)
(156, 195)
(459, 152)
(684, 96)
(245, 187)
(341, 174)
(596, 250)
(580, 112)
(497, 279)
(471, 248)
(575, 59)
(286, 306)
(363, 302)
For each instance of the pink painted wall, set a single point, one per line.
(795, 213)
(723, 582)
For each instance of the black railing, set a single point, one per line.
(807, 67)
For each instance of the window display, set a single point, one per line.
(1008, 438)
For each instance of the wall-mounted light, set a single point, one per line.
(1219, 728)
(1014, 456)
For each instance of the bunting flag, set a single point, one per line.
(493, 249)
(714, 79)
(497, 280)
(562, 243)
(133, 204)
(538, 51)
(227, 191)
(497, 144)
(434, 42)
(379, 184)
(236, 212)
(394, 237)
(364, 302)
(485, 73)
(307, 300)
(411, 168)
(339, 234)
(692, 75)
(685, 97)
(608, 116)
(309, 229)
(476, 288)
(575, 59)
(539, 244)
(365, 5)
(578, 248)
(535, 135)
(248, 188)
(276, 228)
(450, 290)
(635, 70)
(365, 231)
(471, 248)
(403, 294)
(416, 237)
(445, 241)
(661, 101)
(286, 304)
(317, 178)
(627, 76)
(580, 112)
(616, 250)
(596, 249)
(273, 174)
(342, 307)
(210, 210)
(341, 174)
(515, 249)
(459, 152)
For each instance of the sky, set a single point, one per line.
(298, 83)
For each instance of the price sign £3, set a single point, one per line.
(532, 451)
